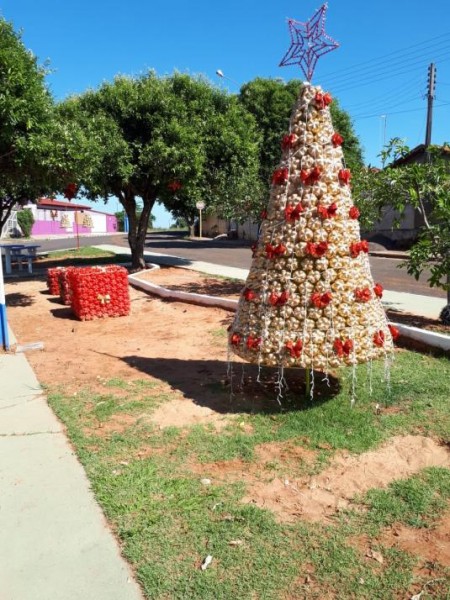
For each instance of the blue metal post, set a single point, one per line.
(4, 335)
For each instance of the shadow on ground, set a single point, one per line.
(235, 388)
(64, 313)
(18, 299)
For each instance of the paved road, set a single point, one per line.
(237, 254)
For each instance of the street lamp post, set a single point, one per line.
(200, 205)
(220, 74)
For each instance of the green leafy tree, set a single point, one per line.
(424, 186)
(26, 125)
(270, 101)
(173, 139)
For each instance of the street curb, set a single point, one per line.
(201, 299)
(430, 339)
(398, 254)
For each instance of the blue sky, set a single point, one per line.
(379, 73)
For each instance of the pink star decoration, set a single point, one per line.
(308, 42)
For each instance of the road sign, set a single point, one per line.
(200, 205)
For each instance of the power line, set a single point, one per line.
(387, 107)
(388, 75)
(379, 59)
(393, 93)
(338, 79)
(398, 112)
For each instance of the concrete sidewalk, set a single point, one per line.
(54, 543)
(415, 304)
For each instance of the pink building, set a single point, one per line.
(57, 217)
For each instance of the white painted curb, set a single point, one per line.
(430, 338)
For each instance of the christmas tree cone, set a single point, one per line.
(309, 299)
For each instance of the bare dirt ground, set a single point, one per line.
(182, 349)
(194, 282)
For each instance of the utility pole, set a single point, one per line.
(430, 97)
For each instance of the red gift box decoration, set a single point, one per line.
(100, 292)
(53, 280)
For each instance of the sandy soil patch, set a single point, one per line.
(193, 282)
(318, 498)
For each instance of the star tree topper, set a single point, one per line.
(308, 42)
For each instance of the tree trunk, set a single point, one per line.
(137, 228)
(448, 289)
(191, 224)
(5, 211)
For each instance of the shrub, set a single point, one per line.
(25, 219)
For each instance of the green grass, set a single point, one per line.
(168, 521)
(87, 255)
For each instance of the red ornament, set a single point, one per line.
(288, 141)
(322, 211)
(344, 176)
(394, 332)
(316, 250)
(174, 186)
(378, 338)
(292, 213)
(332, 210)
(358, 247)
(342, 348)
(280, 176)
(295, 350)
(235, 339)
(253, 343)
(274, 251)
(337, 140)
(378, 290)
(354, 213)
(363, 295)
(321, 300)
(311, 177)
(249, 294)
(278, 299)
(71, 191)
(327, 212)
(253, 248)
(264, 214)
(322, 100)
(284, 297)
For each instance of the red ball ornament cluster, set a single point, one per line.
(53, 280)
(100, 292)
(92, 292)
(70, 191)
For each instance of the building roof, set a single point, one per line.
(419, 154)
(59, 204)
